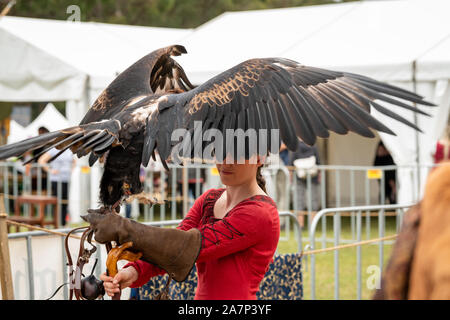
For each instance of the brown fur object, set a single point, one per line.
(419, 266)
(430, 273)
(395, 281)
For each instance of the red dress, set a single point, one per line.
(236, 250)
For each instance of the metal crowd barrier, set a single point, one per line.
(342, 186)
(339, 186)
(14, 182)
(335, 212)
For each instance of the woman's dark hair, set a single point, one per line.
(260, 179)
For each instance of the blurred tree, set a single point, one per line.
(157, 13)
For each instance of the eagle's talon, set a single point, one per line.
(145, 198)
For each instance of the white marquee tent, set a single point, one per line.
(49, 118)
(404, 42)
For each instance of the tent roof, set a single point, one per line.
(434, 63)
(237, 36)
(17, 132)
(50, 118)
(51, 60)
(382, 38)
(377, 38)
(55, 57)
(97, 49)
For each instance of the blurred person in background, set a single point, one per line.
(384, 158)
(284, 154)
(33, 171)
(41, 130)
(59, 171)
(193, 180)
(305, 160)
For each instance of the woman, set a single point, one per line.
(240, 229)
(59, 170)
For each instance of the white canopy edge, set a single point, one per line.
(380, 39)
(54, 60)
(31, 74)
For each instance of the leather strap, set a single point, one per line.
(83, 258)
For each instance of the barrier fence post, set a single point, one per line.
(185, 188)
(5, 262)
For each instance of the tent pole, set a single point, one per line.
(416, 120)
(5, 262)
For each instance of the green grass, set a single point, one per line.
(347, 261)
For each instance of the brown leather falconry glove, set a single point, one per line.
(170, 249)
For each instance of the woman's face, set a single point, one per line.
(232, 174)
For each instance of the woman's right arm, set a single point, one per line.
(146, 270)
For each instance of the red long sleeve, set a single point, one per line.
(236, 250)
(147, 270)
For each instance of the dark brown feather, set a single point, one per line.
(302, 102)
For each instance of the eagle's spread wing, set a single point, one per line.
(275, 93)
(81, 140)
(154, 73)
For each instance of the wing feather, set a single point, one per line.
(379, 108)
(80, 140)
(332, 123)
(349, 120)
(309, 113)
